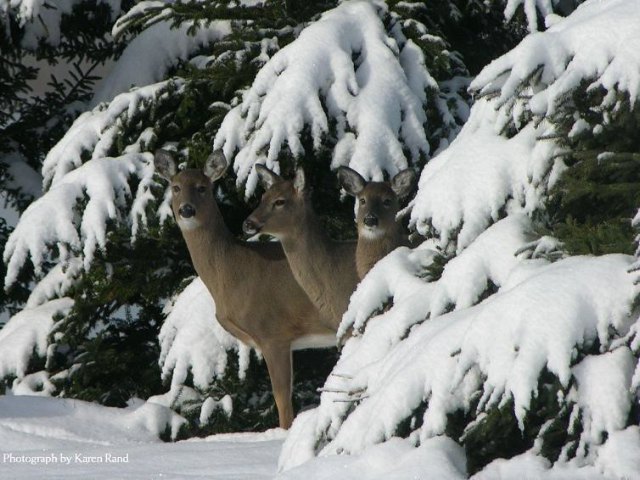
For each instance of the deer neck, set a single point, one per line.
(319, 266)
(212, 247)
(371, 249)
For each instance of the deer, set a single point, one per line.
(324, 268)
(258, 300)
(377, 204)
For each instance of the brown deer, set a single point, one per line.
(326, 269)
(377, 205)
(257, 298)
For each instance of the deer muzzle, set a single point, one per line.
(186, 210)
(251, 227)
(370, 220)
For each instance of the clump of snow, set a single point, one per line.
(210, 405)
(603, 393)
(154, 51)
(52, 220)
(70, 420)
(599, 42)
(55, 283)
(191, 340)
(27, 333)
(96, 131)
(377, 106)
(438, 457)
(620, 455)
(480, 176)
(531, 9)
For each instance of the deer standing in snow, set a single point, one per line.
(257, 297)
(326, 269)
(377, 205)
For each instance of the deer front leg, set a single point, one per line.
(278, 358)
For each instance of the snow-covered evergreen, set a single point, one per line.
(489, 350)
(500, 330)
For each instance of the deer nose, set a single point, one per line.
(370, 220)
(250, 227)
(187, 211)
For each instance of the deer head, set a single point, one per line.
(282, 206)
(192, 199)
(377, 202)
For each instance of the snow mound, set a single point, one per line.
(440, 457)
(378, 108)
(39, 420)
(191, 340)
(559, 59)
(27, 333)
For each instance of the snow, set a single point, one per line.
(568, 53)
(27, 332)
(150, 55)
(469, 185)
(377, 106)
(603, 393)
(497, 348)
(41, 20)
(191, 340)
(73, 435)
(531, 9)
(53, 220)
(96, 131)
(50, 438)
(439, 457)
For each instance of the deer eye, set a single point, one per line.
(279, 202)
(386, 202)
(201, 189)
(175, 188)
(362, 201)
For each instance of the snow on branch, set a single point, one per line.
(41, 19)
(496, 349)
(343, 71)
(102, 185)
(598, 43)
(154, 51)
(27, 332)
(96, 131)
(482, 176)
(531, 9)
(191, 340)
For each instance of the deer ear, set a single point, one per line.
(267, 177)
(216, 165)
(403, 182)
(352, 182)
(165, 164)
(299, 180)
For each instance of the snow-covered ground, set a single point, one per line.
(50, 438)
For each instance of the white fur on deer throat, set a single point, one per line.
(371, 233)
(187, 223)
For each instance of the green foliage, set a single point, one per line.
(592, 206)
(496, 433)
(253, 404)
(106, 348)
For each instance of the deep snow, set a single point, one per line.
(52, 438)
